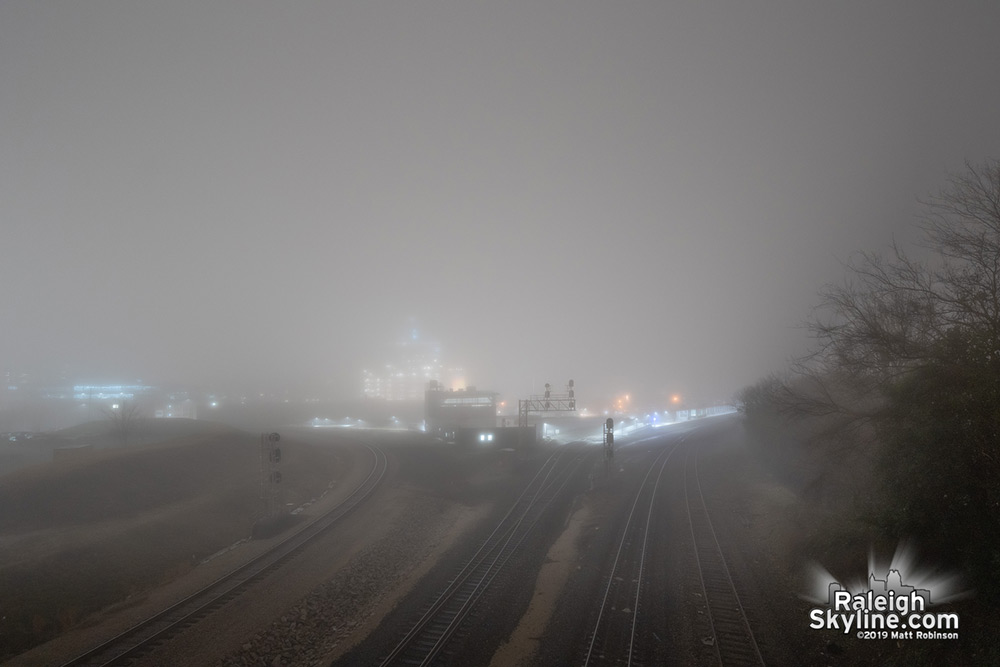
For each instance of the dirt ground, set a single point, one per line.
(560, 561)
(778, 534)
(93, 544)
(86, 537)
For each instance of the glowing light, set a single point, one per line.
(943, 586)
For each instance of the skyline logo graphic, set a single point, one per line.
(892, 606)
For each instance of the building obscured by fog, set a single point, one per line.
(415, 363)
(448, 411)
(36, 402)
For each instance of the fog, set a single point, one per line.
(646, 198)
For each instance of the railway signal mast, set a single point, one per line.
(609, 439)
(270, 476)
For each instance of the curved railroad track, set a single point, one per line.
(732, 638)
(144, 636)
(431, 633)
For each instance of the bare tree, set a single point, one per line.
(125, 420)
(908, 358)
(893, 314)
(964, 228)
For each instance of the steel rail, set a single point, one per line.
(734, 641)
(429, 634)
(137, 639)
(664, 455)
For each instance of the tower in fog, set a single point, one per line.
(416, 361)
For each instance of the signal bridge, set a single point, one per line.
(547, 402)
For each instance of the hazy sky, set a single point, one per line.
(644, 197)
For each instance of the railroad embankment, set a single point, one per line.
(84, 535)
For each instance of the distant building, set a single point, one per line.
(13, 389)
(446, 411)
(182, 409)
(103, 394)
(417, 362)
(469, 417)
(29, 402)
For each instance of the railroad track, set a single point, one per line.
(613, 639)
(441, 620)
(732, 638)
(144, 636)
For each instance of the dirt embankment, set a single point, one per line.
(106, 527)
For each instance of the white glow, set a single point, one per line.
(943, 586)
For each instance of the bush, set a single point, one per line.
(939, 465)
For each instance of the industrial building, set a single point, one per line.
(469, 417)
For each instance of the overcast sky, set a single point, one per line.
(644, 197)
